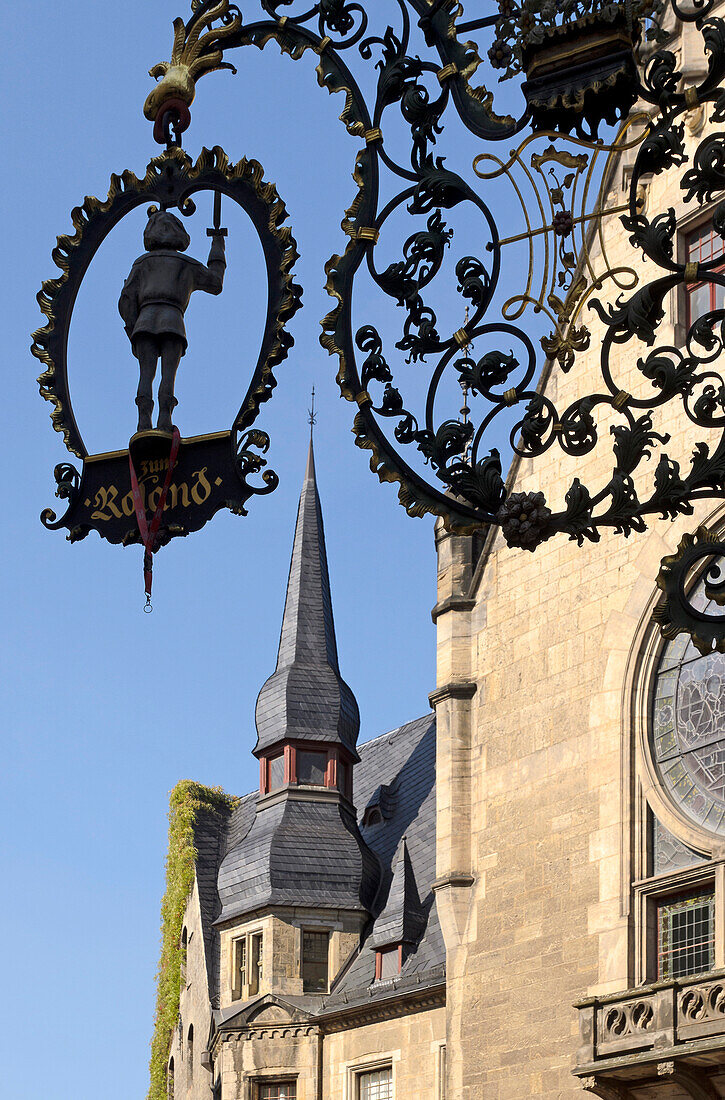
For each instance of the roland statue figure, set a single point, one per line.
(152, 305)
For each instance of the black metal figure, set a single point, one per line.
(152, 305)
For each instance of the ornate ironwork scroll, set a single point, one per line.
(582, 66)
(212, 471)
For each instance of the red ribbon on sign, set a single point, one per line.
(148, 531)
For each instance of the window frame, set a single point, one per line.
(242, 991)
(396, 948)
(337, 775)
(688, 233)
(274, 1079)
(677, 903)
(363, 1071)
(688, 223)
(650, 894)
(386, 1059)
(315, 931)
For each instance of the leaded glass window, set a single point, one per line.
(688, 727)
(669, 853)
(686, 936)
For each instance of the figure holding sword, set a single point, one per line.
(154, 299)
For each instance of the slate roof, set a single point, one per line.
(303, 846)
(299, 853)
(210, 840)
(306, 698)
(405, 757)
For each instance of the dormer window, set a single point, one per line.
(388, 962)
(372, 816)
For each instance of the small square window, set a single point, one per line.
(685, 935)
(315, 954)
(311, 767)
(376, 1084)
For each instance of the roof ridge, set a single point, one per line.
(389, 733)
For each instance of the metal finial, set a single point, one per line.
(312, 415)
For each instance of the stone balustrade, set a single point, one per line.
(651, 1023)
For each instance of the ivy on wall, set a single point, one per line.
(188, 801)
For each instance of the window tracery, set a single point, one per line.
(688, 727)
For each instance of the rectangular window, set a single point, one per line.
(276, 772)
(239, 978)
(311, 767)
(377, 1084)
(703, 246)
(685, 936)
(388, 963)
(315, 954)
(442, 1073)
(255, 967)
(277, 1090)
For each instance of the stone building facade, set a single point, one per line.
(519, 895)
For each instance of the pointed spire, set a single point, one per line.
(306, 698)
(308, 629)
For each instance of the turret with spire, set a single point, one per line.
(304, 849)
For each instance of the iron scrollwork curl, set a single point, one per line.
(495, 361)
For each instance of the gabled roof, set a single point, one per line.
(306, 698)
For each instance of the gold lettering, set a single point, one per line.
(153, 467)
(196, 491)
(175, 491)
(154, 497)
(105, 507)
(127, 502)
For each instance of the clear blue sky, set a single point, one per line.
(104, 708)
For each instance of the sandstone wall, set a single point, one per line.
(536, 780)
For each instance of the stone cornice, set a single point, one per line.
(453, 603)
(404, 1004)
(294, 793)
(465, 690)
(454, 878)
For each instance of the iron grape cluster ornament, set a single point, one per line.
(163, 486)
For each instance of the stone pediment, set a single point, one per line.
(268, 1010)
(271, 1013)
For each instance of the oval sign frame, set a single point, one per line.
(171, 179)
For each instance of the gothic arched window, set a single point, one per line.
(688, 727)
